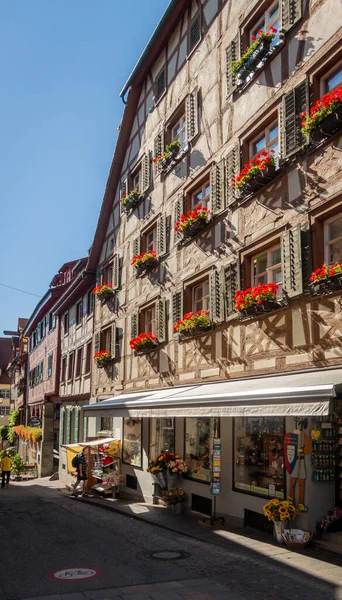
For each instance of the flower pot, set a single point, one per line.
(102, 364)
(174, 152)
(196, 227)
(131, 203)
(254, 59)
(150, 345)
(150, 263)
(330, 125)
(326, 285)
(105, 296)
(258, 181)
(278, 528)
(178, 508)
(163, 164)
(160, 478)
(195, 331)
(171, 479)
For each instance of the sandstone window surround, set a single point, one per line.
(285, 13)
(153, 314)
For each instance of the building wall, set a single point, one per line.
(48, 386)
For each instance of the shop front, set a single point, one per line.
(275, 437)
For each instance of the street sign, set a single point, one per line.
(73, 574)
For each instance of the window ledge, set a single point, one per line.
(256, 317)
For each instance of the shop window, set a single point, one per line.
(71, 365)
(333, 239)
(267, 267)
(269, 19)
(259, 456)
(266, 140)
(132, 442)
(66, 323)
(79, 312)
(64, 368)
(79, 362)
(149, 239)
(148, 320)
(88, 357)
(162, 436)
(197, 447)
(106, 424)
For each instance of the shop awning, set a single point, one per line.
(93, 444)
(308, 393)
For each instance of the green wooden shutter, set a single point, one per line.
(306, 256)
(216, 297)
(161, 236)
(231, 282)
(232, 165)
(146, 172)
(177, 211)
(195, 32)
(61, 426)
(291, 12)
(232, 54)
(76, 424)
(113, 340)
(161, 324)
(191, 110)
(116, 273)
(134, 325)
(136, 245)
(50, 358)
(294, 102)
(97, 342)
(85, 428)
(177, 306)
(217, 196)
(68, 426)
(292, 261)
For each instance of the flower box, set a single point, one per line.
(144, 262)
(326, 279)
(132, 200)
(256, 52)
(103, 359)
(166, 159)
(255, 174)
(266, 306)
(260, 299)
(258, 180)
(144, 342)
(150, 263)
(193, 324)
(193, 222)
(324, 118)
(104, 292)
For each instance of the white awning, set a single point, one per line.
(308, 393)
(92, 444)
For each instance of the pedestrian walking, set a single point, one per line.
(6, 465)
(81, 465)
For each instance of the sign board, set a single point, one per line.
(35, 422)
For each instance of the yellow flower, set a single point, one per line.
(301, 507)
(282, 509)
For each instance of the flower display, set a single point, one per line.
(192, 321)
(102, 357)
(320, 110)
(326, 271)
(171, 150)
(256, 41)
(173, 495)
(127, 197)
(142, 340)
(255, 166)
(327, 521)
(167, 461)
(177, 466)
(256, 295)
(30, 434)
(142, 258)
(280, 510)
(191, 217)
(104, 290)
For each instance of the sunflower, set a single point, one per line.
(282, 510)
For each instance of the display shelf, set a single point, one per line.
(323, 457)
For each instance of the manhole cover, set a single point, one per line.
(166, 555)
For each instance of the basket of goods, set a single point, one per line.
(297, 538)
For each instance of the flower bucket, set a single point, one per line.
(186, 333)
(327, 285)
(196, 227)
(131, 203)
(160, 478)
(278, 529)
(150, 263)
(102, 364)
(171, 479)
(178, 508)
(254, 59)
(150, 345)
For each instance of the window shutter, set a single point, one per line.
(292, 261)
(61, 426)
(146, 172)
(68, 426)
(161, 236)
(177, 211)
(217, 187)
(306, 256)
(191, 109)
(50, 365)
(159, 144)
(53, 321)
(38, 333)
(113, 340)
(231, 282)
(136, 246)
(41, 371)
(76, 424)
(294, 103)
(85, 428)
(97, 343)
(134, 325)
(216, 297)
(232, 54)
(99, 276)
(232, 165)
(123, 188)
(177, 306)
(291, 13)
(116, 273)
(161, 320)
(159, 84)
(195, 31)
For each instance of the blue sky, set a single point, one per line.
(62, 64)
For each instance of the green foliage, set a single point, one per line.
(13, 418)
(238, 63)
(3, 432)
(18, 465)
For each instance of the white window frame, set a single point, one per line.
(265, 132)
(266, 22)
(151, 320)
(327, 241)
(326, 76)
(269, 270)
(147, 245)
(181, 123)
(205, 298)
(206, 200)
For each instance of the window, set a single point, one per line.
(5, 393)
(201, 197)
(162, 436)
(50, 363)
(333, 239)
(266, 140)
(66, 323)
(88, 357)
(79, 362)
(79, 312)
(108, 273)
(71, 365)
(332, 80)
(50, 321)
(64, 368)
(106, 424)
(197, 447)
(4, 411)
(132, 441)
(149, 240)
(195, 31)
(259, 455)
(160, 84)
(178, 131)
(269, 19)
(148, 320)
(200, 298)
(106, 339)
(267, 267)
(90, 302)
(136, 180)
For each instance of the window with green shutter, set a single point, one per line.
(76, 424)
(161, 236)
(217, 185)
(231, 283)
(216, 296)
(68, 426)
(232, 168)
(294, 103)
(291, 254)
(195, 31)
(232, 54)
(146, 172)
(85, 428)
(161, 322)
(291, 12)
(177, 306)
(61, 426)
(134, 325)
(192, 115)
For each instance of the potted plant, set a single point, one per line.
(174, 466)
(260, 47)
(129, 201)
(157, 468)
(255, 174)
(18, 466)
(324, 118)
(193, 222)
(102, 359)
(193, 323)
(175, 497)
(326, 279)
(104, 292)
(257, 300)
(144, 261)
(143, 342)
(170, 153)
(174, 148)
(279, 511)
